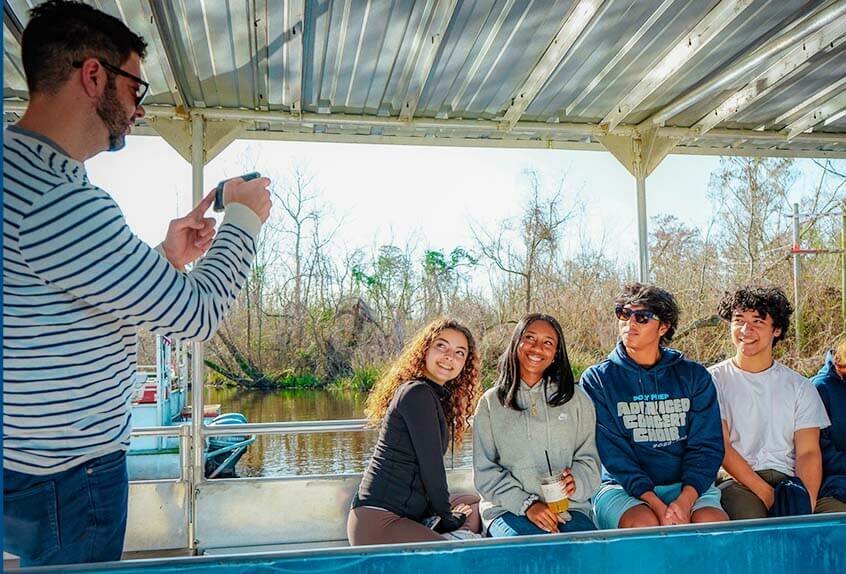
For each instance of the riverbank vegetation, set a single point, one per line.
(314, 313)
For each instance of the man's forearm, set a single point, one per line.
(688, 495)
(740, 470)
(809, 470)
(655, 504)
(160, 248)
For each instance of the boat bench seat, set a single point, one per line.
(250, 515)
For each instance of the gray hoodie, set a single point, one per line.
(508, 449)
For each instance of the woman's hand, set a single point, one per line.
(568, 482)
(463, 509)
(542, 516)
(450, 522)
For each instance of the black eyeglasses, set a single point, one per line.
(140, 91)
(641, 316)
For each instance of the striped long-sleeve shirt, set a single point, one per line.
(77, 286)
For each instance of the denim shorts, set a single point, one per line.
(78, 515)
(612, 501)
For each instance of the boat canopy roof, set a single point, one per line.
(715, 77)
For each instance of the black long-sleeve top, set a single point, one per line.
(406, 474)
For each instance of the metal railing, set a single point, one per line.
(192, 449)
(290, 427)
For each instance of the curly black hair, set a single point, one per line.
(766, 301)
(654, 299)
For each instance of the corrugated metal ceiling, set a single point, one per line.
(453, 72)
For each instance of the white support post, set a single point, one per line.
(197, 438)
(642, 238)
(797, 271)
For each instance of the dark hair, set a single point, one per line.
(61, 32)
(508, 368)
(654, 299)
(766, 301)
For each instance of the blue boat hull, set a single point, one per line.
(803, 545)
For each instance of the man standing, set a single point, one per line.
(77, 285)
(772, 415)
(658, 422)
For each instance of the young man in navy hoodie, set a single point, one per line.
(658, 421)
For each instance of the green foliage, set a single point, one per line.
(288, 380)
(361, 380)
(215, 378)
(577, 369)
(436, 263)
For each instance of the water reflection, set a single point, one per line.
(302, 454)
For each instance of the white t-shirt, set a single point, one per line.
(763, 411)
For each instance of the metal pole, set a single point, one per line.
(843, 262)
(185, 478)
(642, 239)
(197, 439)
(797, 270)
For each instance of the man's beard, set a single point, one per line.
(113, 115)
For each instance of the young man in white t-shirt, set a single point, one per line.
(772, 415)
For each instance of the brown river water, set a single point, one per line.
(308, 454)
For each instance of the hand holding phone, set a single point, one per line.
(249, 190)
(218, 191)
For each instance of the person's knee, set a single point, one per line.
(638, 517)
(465, 498)
(708, 514)
(745, 509)
(741, 503)
(829, 504)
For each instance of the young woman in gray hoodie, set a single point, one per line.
(534, 419)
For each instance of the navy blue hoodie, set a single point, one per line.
(832, 390)
(655, 426)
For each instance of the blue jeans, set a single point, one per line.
(74, 516)
(510, 524)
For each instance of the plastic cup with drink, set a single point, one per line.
(553, 493)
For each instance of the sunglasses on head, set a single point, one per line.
(641, 316)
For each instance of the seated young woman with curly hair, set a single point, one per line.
(424, 400)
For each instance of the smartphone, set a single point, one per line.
(218, 192)
(432, 521)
